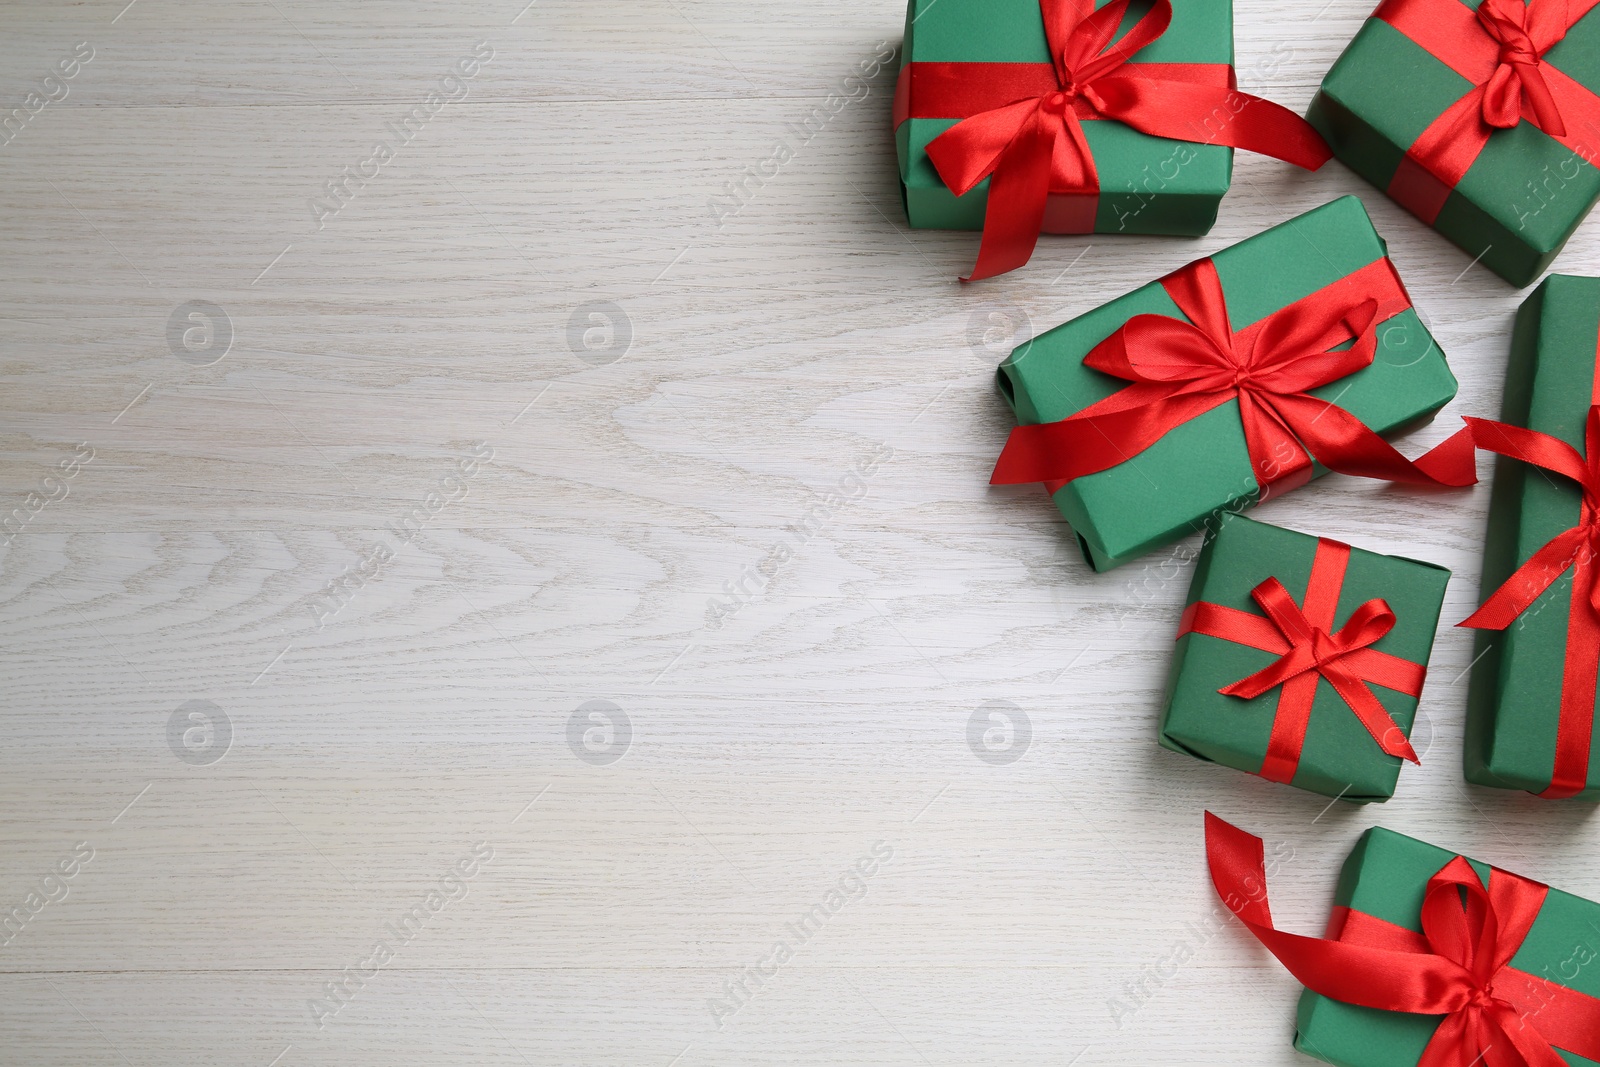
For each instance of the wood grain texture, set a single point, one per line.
(380, 735)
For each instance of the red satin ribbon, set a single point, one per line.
(1458, 967)
(1182, 369)
(1308, 647)
(1572, 550)
(1500, 49)
(1023, 122)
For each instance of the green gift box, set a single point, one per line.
(1149, 185)
(1331, 751)
(1379, 901)
(1514, 705)
(1203, 467)
(1393, 90)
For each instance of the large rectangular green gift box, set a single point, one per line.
(1514, 706)
(1149, 185)
(1526, 192)
(1384, 880)
(1339, 756)
(1202, 468)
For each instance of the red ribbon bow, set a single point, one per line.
(1300, 636)
(1182, 369)
(1458, 967)
(1573, 550)
(1500, 49)
(1023, 122)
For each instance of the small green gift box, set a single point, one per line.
(1480, 119)
(1149, 185)
(1076, 116)
(1430, 958)
(1379, 902)
(1149, 466)
(1532, 701)
(1301, 659)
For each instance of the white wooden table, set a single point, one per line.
(536, 410)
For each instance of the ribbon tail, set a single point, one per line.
(1518, 592)
(1422, 984)
(1018, 192)
(1529, 446)
(1343, 443)
(1291, 665)
(1207, 114)
(1371, 713)
(1542, 102)
(1451, 1045)
(1522, 1044)
(1088, 444)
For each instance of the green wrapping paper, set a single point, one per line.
(1514, 704)
(1523, 196)
(1202, 468)
(1340, 757)
(1149, 185)
(1385, 877)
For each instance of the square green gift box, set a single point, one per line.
(1236, 377)
(1301, 659)
(1430, 957)
(1531, 706)
(1481, 119)
(1076, 116)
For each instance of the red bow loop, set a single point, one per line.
(1311, 648)
(1459, 967)
(1292, 352)
(1153, 349)
(1088, 54)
